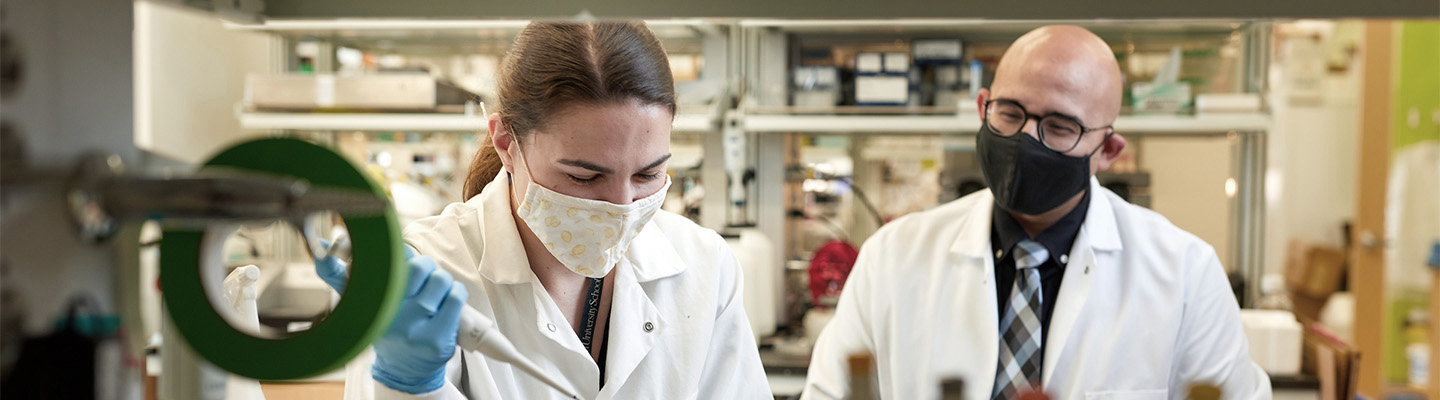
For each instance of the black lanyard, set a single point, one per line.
(592, 311)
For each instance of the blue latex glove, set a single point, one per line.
(411, 356)
(332, 270)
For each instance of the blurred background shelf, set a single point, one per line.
(969, 123)
(407, 122)
(363, 122)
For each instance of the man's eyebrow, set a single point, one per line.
(587, 165)
(1027, 111)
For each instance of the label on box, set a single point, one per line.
(882, 89)
(897, 62)
(927, 50)
(867, 63)
(325, 90)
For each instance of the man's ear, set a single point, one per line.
(502, 140)
(1110, 150)
(980, 100)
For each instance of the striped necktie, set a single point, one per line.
(1020, 330)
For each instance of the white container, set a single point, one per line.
(1227, 103)
(1275, 340)
(756, 256)
(1418, 356)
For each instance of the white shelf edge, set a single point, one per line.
(383, 24)
(693, 123)
(1159, 124)
(409, 122)
(364, 122)
(791, 23)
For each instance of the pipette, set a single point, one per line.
(476, 333)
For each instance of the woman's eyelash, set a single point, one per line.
(652, 176)
(583, 180)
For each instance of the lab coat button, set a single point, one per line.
(551, 327)
(649, 327)
(1064, 258)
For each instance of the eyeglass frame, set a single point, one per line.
(1040, 127)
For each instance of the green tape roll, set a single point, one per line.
(373, 292)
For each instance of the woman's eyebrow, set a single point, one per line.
(587, 165)
(593, 167)
(656, 163)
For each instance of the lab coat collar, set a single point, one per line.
(503, 260)
(653, 255)
(974, 238)
(1100, 222)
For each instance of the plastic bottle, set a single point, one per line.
(1203, 391)
(1033, 394)
(861, 385)
(1417, 348)
(952, 389)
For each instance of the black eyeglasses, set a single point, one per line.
(1057, 131)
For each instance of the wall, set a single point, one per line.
(190, 78)
(73, 97)
(1187, 178)
(1312, 157)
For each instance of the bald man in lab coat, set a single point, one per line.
(1047, 280)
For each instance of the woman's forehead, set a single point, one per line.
(614, 133)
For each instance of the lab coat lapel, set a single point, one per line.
(1098, 233)
(634, 326)
(971, 254)
(1074, 290)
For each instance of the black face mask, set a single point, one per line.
(1027, 177)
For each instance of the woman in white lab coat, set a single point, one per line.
(561, 243)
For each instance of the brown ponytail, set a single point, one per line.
(554, 65)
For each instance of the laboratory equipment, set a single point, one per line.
(757, 259)
(476, 332)
(882, 79)
(816, 87)
(828, 270)
(193, 254)
(101, 197)
(240, 293)
(938, 65)
(383, 92)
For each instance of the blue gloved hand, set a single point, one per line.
(411, 356)
(332, 270)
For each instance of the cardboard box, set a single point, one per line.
(1312, 274)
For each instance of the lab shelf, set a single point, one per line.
(969, 123)
(442, 36)
(363, 122)
(409, 122)
(694, 123)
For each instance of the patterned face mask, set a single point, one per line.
(588, 236)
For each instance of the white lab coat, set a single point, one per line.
(677, 326)
(1143, 310)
